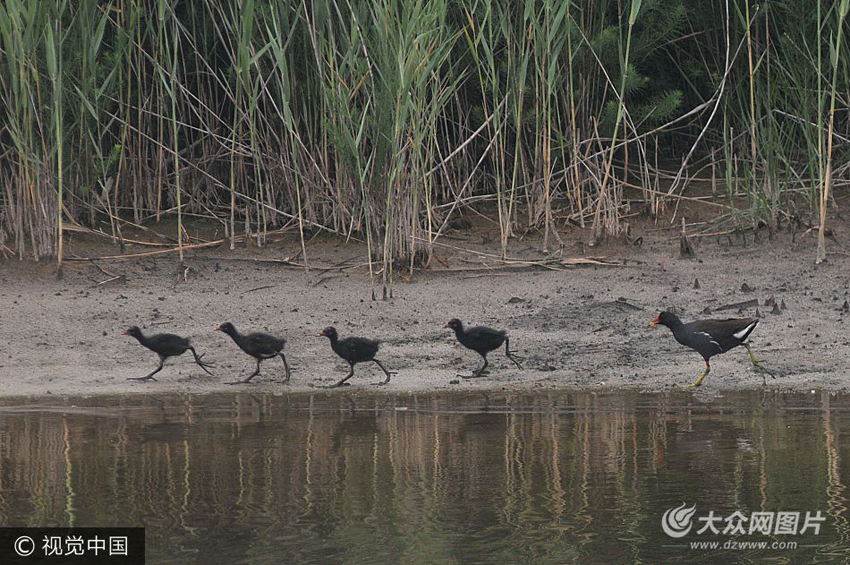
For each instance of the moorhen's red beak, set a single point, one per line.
(654, 322)
(320, 334)
(218, 328)
(446, 325)
(125, 332)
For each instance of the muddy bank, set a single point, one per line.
(584, 327)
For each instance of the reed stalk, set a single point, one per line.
(53, 58)
(624, 69)
(834, 57)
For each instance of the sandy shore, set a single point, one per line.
(584, 327)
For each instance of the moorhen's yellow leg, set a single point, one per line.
(757, 364)
(698, 382)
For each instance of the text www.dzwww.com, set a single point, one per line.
(743, 545)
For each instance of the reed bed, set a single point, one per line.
(386, 120)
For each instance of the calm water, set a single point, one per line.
(498, 478)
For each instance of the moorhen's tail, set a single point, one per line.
(744, 332)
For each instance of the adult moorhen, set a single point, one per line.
(354, 350)
(258, 345)
(165, 345)
(483, 340)
(712, 337)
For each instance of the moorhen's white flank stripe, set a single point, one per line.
(708, 335)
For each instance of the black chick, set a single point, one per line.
(258, 345)
(354, 350)
(165, 345)
(482, 340)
